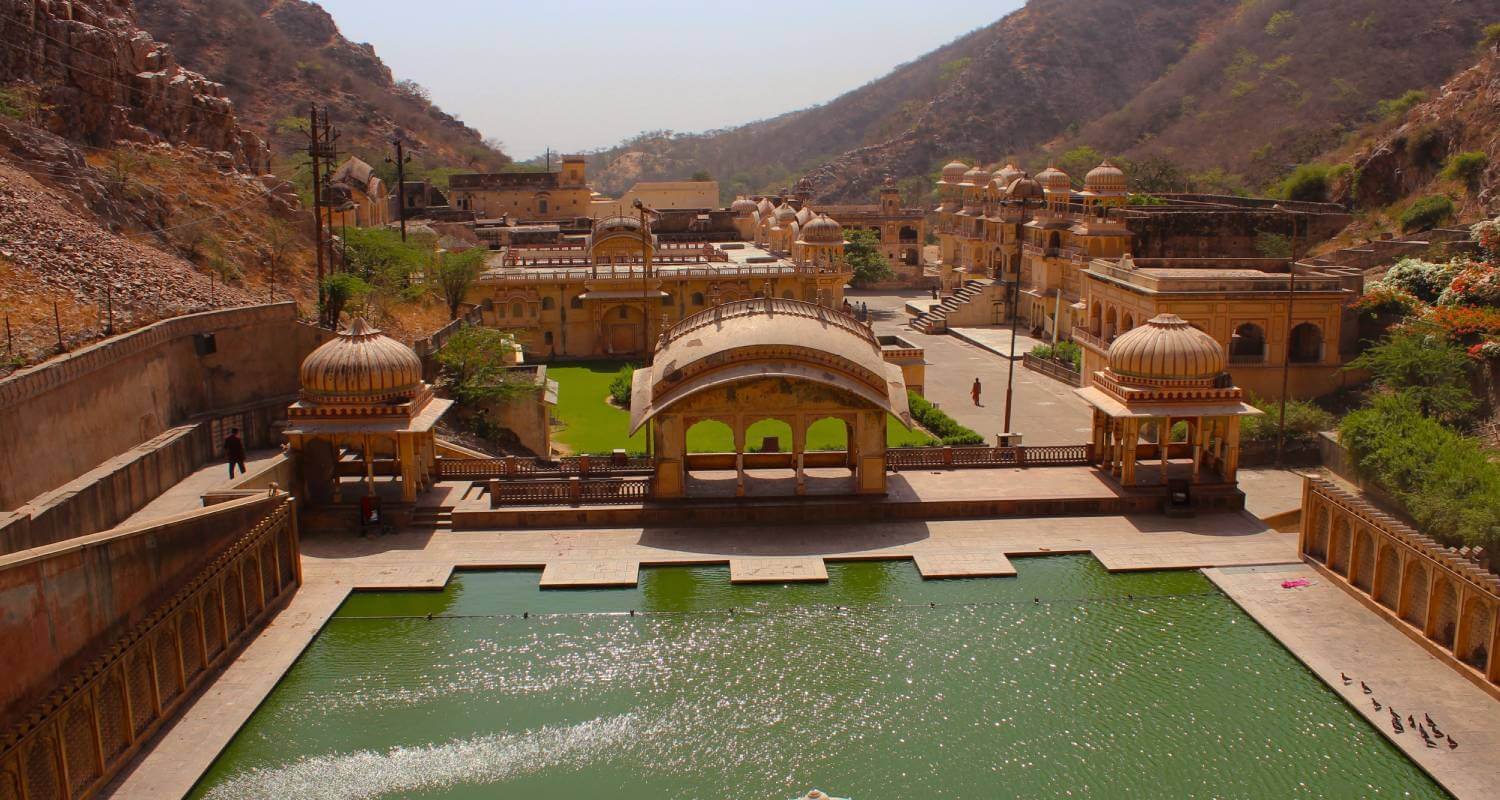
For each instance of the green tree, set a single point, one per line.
(339, 290)
(702, 176)
(379, 256)
(1157, 174)
(476, 365)
(862, 251)
(1078, 161)
(456, 272)
(1418, 362)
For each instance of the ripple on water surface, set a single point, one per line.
(876, 685)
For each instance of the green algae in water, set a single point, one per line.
(875, 685)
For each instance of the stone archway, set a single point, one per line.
(1388, 577)
(1317, 547)
(1414, 593)
(1363, 568)
(798, 361)
(1339, 547)
(1442, 617)
(1477, 627)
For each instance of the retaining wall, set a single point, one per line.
(62, 419)
(65, 602)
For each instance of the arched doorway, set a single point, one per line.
(1339, 547)
(1317, 547)
(623, 329)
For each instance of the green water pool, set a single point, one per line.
(1065, 681)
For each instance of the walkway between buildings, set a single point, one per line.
(187, 494)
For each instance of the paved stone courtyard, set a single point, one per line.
(1044, 411)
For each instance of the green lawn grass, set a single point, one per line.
(589, 424)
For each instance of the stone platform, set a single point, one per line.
(912, 495)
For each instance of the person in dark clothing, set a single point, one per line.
(974, 392)
(234, 451)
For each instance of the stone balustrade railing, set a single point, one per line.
(573, 491)
(75, 741)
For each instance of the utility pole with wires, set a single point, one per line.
(401, 161)
(331, 155)
(315, 152)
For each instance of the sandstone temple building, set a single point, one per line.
(1084, 264)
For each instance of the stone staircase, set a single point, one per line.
(432, 517)
(935, 319)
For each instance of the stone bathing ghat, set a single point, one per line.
(943, 509)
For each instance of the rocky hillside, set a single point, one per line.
(85, 71)
(1004, 88)
(1290, 79)
(1240, 89)
(1414, 155)
(276, 57)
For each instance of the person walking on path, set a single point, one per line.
(234, 451)
(974, 392)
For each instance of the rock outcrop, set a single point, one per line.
(276, 57)
(1463, 116)
(93, 76)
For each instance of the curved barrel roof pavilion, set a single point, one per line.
(768, 358)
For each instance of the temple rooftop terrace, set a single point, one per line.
(1221, 275)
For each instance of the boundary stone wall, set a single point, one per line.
(63, 418)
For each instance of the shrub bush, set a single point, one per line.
(1466, 168)
(1474, 284)
(947, 429)
(619, 388)
(1067, 353)
(1380, 300)
(1426, 213)
(1490, 36)
(1417, 361)
(1397, 107)
(1446, 482)
(1304, 421)
(1309, 182)
(1423, 280)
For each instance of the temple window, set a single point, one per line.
(1248, 344)
(1306, 345)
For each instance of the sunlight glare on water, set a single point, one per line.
(1063, 681)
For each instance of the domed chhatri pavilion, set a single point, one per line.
(1159, 374)
(364, 412)
(768, 358)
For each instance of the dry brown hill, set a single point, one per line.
(1247, 87)
(1414, 156)
(1003, 88)
(276, 57)
(1276, 83)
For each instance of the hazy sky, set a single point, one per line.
(581, 74)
